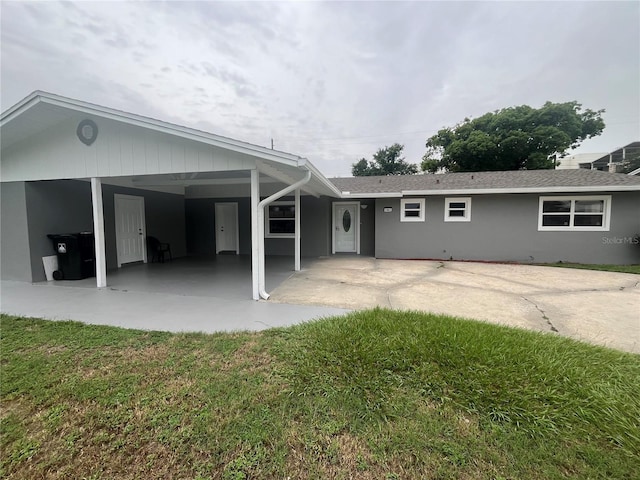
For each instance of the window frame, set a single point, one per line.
(467, 209)
(420, 218)
(267, 220)
(606, 213)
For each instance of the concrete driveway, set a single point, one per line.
(597, 307)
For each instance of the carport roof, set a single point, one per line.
(520, 181)
(41, 110)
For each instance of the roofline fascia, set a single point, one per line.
(23, 104)
(558, 189)
(347, 194)
(146, 122)
(324, 180)
(489, 191)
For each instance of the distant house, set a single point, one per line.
(71, 166)
(579, 160)
(614, 161)
(606, 162)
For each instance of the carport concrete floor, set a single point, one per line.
(598, 307)
(188, 294)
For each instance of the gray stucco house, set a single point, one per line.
(579, 216)
(71, 166)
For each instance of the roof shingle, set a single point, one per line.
(518, 179)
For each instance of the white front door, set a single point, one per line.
(346, 227)
(131, 245)
(227, 238)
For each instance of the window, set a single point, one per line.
(412, 210)
(574, 213)
(281, 219)
(457, 209)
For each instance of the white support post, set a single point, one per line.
(297, 231)
(262, 269)
(98, 232)
(255, 231)
(261, 207)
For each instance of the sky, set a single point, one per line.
(329, 81)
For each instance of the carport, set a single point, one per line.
(63, 153)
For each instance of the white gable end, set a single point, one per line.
(40, 141)
(119, 150)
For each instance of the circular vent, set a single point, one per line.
(87, 132)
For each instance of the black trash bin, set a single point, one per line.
(76, 255)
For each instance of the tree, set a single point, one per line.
(515, 138)
(386, 161)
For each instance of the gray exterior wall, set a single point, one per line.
(64, 206)
(55, 207)
(315, 223)
(368, 228)
(15, 261)
(505, 228)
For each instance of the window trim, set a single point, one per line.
(606, 214)
(267, 220)
(467, 209)
(403, 211)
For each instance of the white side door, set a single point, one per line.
(131, 232)
(227, 238)
(346, 227)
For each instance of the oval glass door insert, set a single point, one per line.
(346, 220)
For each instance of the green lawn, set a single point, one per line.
(372, 395)
(605, 268)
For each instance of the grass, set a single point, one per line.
(605, 268)
(376, 394)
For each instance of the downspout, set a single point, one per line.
(261, 206)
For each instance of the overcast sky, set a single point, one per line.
(330, 81)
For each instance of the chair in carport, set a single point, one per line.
(158, 249)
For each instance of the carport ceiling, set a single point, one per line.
(187, 179)
(198, 184)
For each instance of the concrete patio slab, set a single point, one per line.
(152, 311)
(186, 295)
(211, 295)
(593, 306)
